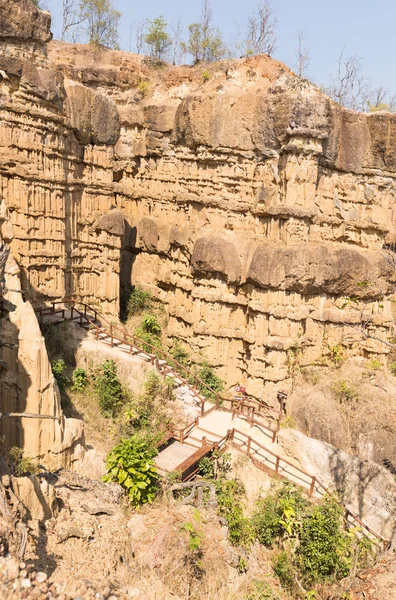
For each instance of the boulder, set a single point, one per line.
(213, 255)
(93, 115)
(320, 269)
(112, 222)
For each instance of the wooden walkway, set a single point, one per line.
(246, 425)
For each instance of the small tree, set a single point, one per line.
(157, 37)
(205, 42)
(101, 22)
(303, 57)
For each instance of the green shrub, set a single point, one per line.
(130, 464)
(283, 568)
(373, 365)
(149, 410)
(209, 377)
(58, 370)
(392, 368)
(80, 380)
(216, 466)
(108, 389)
(260, 591)
(230, 495)
(346, 392)
(138, 301)
(20, 464)
(179, 353)
(279, 514)
(337, 354)
(150, 324)
(205, 75)
(324, 550)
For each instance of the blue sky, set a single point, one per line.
(365, 27)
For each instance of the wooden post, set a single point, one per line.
(81, 318)
(203, 441)
(312, 487)
(97, 333)
(181, 437)
(202, 408)
(95, 315)
(71, 312)
(217, 400)
(165, 370)
(248, 445)
(230, 434)
(53, 308)
(85, 309)
(277, 465)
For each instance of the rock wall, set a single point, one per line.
(251, 205)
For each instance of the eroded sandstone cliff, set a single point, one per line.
(250, 204)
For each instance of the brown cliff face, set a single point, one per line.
(250, 204)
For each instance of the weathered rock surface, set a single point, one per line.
(365, 488)
(254, 208)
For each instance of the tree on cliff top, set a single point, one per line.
(157, 37)
(100, 20)
(261, 36)
(205, 42)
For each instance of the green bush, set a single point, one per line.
(138, 301)
(130, 464)
(80, 380)
(230, 495)
(324, 550)
(179, 353)
(108, 389)
(279, 514)
(58, 370)
(260, 590)
(392, 368)
(149, 410)
(283, 568)
(20, 464)
(209, 377)
(150, 324)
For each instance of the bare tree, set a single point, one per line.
(381, 100)
(137, 33)
(70, 16)
(261, 30)
(349, 87)
(303, 57)
(177, 48)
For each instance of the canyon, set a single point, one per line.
(257, 212)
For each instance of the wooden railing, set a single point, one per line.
(135, 343)
(279, 461)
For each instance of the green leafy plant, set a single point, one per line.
(337, 354)
(324, 549)
(80, 379)
(144, 88)
(260, 590)
(345, 392)
(130, 464)
(215, 466)
(179, 353)
(392, 368)
(139, 300)
(150, 324)
(58, 370)
(279, 514)
(194, 537)
(373, 365)
(205, 75)
(207, 375)
(230, 495)
(108, 389)
(283, 568)
(21, 464)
